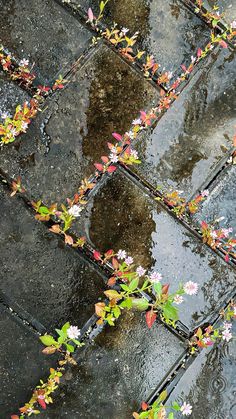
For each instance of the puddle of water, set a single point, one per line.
(119, 370)
(59, 285)
(209, 383)
(103, 97)
(22, 365)
(43, 33)
(221, 201)
(193, 136)
(121, 216)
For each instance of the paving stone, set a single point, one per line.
(11, 95)
(121, 216)
(209, 383)
(43, 33)
(118, 371)
(22, 364)
(192, 137)
(49, 281)
(227, 7)
(221, 201)
(78, 122)
(168, 30)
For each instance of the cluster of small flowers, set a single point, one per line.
(122, 255)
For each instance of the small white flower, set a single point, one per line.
(191, 288)
(186, 409)
(178, 299)
(226, 231)
(235, 310)
(73, 332)
(233, 24)
(13, 132)
(24, 63)
(137, 121)
(121, 254)
(129, 260)
(213, 234)
(75, 210)
(155, 277)
(206, 340)
(227, 325)
(140, 271)
(24, 126)
(130, 134)
(226, 335)
(125, 30)
(205, 193)
(134, 154)
(193, 59)
(219, 219)
(113, 157)
(5, 115)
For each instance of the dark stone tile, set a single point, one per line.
(221, 201)
(122, 216)
(11, 95)
(102, 98)
(227, 7)
(22, 364)
(209, 383)
(192, 137)
(168, 30)
(49, 281)
(119, 370)
(43, 33)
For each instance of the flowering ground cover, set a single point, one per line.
(117, 239)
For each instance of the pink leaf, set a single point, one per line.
(227, 258)
(199, 52)
(111, 169)
(105, 159)
(118, 137)
(223, 44)
(99, 166)
(96, 255)
(90, 15)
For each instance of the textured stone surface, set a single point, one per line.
(118, 371)
(192, 137)
(22, 364)
(76, 126)
(43, 33)
(209, 384)
(168, 30)
(221, 201)
(227, 7)
(11, 95)
(49, 281)
(122, 216)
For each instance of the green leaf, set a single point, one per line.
(133, 284)
(125, 287)
(170, 312)
(47, 340)
(162, 396)
(102, 5)
(43, 210)
(69, 347)
(171, 415)
(116, 312)
(176, 406)
(140, 303)
(65, 327)
(144, 415)
(158, 288)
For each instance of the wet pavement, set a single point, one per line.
(45, 283)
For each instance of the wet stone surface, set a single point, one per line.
(77, 123)
(168, 30)
(209, 384)
(221, 201)
(43, 33)
(195, 134)
(118, 371)
(11, 95)
(21, 366)
(122, 216)
(49, 281)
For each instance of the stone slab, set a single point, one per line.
(48, 280)
(103, 97)
(11, 95)
(119, 370)
(122, 216)
(44, 33)
(195, 134)
(221, 200)
(22, 364)
(209, 383)
(227, 7)
(167, 29)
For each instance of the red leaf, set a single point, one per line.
(99, 166)
(105, 159)
(227, 258)
(144, 406)
(150, 318)
(109, 252)
(96, 255)
(42, 403)
(165, 288)
(199, 52)
(223, 44)
(111, 169)
(118, 137)
(14, 417)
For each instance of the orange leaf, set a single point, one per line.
(68, 239)
(55, 229)
(150, 318)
